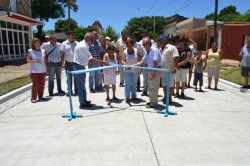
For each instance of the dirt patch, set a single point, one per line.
(14, 70)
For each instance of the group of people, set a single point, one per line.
(178, 54)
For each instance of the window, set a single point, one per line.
(10, 37)
(14, 26)
(9, 25)
(20, 27)
(4, 37)
(26, 28)
(3, 24)
(14, 40)
(26, 37)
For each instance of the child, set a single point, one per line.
(198, 70)
(110, 74)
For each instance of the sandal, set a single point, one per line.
(33, 101)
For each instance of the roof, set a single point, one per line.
(20, 17)
(237, 24)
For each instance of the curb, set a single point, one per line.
(17, 92)
(231, 85)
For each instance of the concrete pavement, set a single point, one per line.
(211, 128)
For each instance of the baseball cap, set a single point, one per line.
(163, 36)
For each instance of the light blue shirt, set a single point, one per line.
(151, 56)
(245, 55)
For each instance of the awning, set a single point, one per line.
(19, 17)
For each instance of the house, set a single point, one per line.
(231, 36)
(15, 29)
(170, 27)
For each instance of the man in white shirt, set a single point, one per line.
(152, 58)
(82, 57)
(169, 60)
(245, 63)
(120, 46)
(53, 62)
(67, 55)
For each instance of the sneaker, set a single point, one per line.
(115, 98)
(144, 94)
(121, 85)
(85, 106)
(107, 99)
(51, 94)
(92, 90)
(177, 95)
(33, 101)
(201, 90)
(138, 90)
(164, 100)
(127, 101)
(150, 106)
(87, 101)
(61, 91)
(135, 99)
(42, 99)
(183, 95)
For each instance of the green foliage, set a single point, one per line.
(50, 9)
(80, 32)
(230, 14)
(137, 24)
(110, 32)
(62, 25)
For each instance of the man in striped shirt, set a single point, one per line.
(95, 50)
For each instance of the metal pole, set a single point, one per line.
(68, 15)
(215, 21)
(154, 23)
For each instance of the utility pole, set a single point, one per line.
(68, 15)
(215, 21)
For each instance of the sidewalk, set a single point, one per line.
(211, 128)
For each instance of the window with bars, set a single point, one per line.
(14, 40)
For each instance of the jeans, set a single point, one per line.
(80, 82)
(69, 67)
(130, 84)
(54, 68)
(94, 77)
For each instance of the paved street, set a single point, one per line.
(211, 128)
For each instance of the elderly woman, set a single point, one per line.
(130, 56)
(214, 57)
(36, 57)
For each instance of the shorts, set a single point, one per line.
(181, 74)
(164, 81)
(213, 72)
(245, 71)
(109, 79)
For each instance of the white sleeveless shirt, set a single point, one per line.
(37, 55)
(130, 60)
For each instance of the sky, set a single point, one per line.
(117, 13)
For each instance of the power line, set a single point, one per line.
(185, 5)
(164, 6)
(153, 4)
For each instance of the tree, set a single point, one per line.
(62, 25)
(227, 14)
(50, 9)
(137, 24)
(110, 32)
(80, 32)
